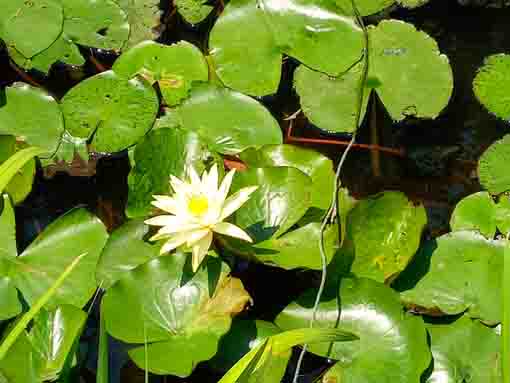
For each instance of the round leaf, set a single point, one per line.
(173, 67)
(43, 18)
(415, 78)
(459, 271)
(32, 114)
(115, 111)
(229, 122)
(493, 167)
(63, 49)
(392, 345)
(143, 18)
(492, 85)
(503, 214)
(475, 212)
(193, 11)
(282, 198)
(314, 164)
(384, 232)
(243, 50)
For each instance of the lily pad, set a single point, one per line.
(243, 50)
(43, 18)
(229, 122)
(99, 24)
(144, 17)
(503, 214)
(175, 311)
(493, 166)
(384, 232)
(173, 67)
(282, 198)
(465, 351)
(30, 113)
(458, 272)
(124, 251)
(392, 345)
(21, 184)
(365, 7)
(492, 85)
(193, 11)
(315, 32)
(111, 110)
(475, 212)
(164, 151)
(314, 164)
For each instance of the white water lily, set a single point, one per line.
(197, 209)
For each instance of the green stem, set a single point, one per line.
(30, 314)
(102, 375)
(505, 325)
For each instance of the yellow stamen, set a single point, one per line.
(198, 204)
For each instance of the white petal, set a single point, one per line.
(196, 235)
(167, 204)
(173, 243)
(236, 200)
(179, 227)
(179, 186)
(211, 181)
(232, 231)
(225, 186)
(162, 220)
(199, 250)
(194, 177)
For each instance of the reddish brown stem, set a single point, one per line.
(24, 75)
(99, 66)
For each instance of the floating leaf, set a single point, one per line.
(315, 33)
(493, 167)
(365, 7)
(21, 184)
(475, 212)
(503, 214)
(143, 17)
(459, 271)
(43, 18)
(163, 152)
(465, 351)
(384, 232)
(314, 164)
(115, 112)
(63, 49)
(392, 345)
(243, 50)
(282, 197)
(175, 311)
(124, 251)
(173, 67)
(100, 24)
(492, 85)
(229, 122)
(30, 113)
(193, 11)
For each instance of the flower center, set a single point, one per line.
(198, 204)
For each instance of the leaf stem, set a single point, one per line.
(505, 324)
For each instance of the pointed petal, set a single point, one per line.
(173, 243)
(167, 204)
(199, 250)
(194, 177)
(225, 186)
(226, 228)
(162, 220)
(196, 235)
(179, 186)
(178, 227)
(236, 200)
(211, 181)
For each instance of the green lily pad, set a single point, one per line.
(37, 268)
(392, 345)
(315, 32)
(229, 122)
(175, 311)
(384, 231)
(424, 89)
(459, 271)
(475, 212)
(100, 24)
(314, 164)
(465, 351)
(193, 11)
(243, 50)
(125, 250)
(63, 49)
(244, 335)
(30, 113)
(503, 214)
(328, 102)
(173, 67)
(164, 151)
(43, 18)
(365, 7)
(282, 198)
(144, 16)
(52, 338)
(492, 167)
(492, 85)
(115, 112)
(21, 184)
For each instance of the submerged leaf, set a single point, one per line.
(143, 17)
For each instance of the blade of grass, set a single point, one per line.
(14, 163)
(30, 314)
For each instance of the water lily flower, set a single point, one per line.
(197, 209)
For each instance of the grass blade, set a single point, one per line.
(14, 163)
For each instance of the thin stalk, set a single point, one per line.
(102, 374)
(505, 325)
